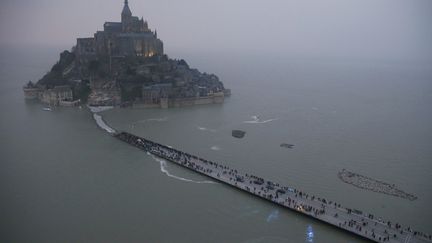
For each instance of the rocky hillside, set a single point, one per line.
(130, 75)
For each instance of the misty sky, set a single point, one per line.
(377, 29)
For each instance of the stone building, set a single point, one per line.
(154, 93)
(130, 37)
(56, 95)
(31, 93)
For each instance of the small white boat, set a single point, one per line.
(47, 109)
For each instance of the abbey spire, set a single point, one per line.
(126, 16)
(126, 13)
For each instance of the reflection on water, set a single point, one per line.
(309, 234)
(273, 216)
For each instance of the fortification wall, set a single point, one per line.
(196, 101)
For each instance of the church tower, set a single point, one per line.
(126, 16)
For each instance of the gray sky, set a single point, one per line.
(378, 29)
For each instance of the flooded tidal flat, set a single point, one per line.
(74, 182)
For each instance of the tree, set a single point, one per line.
(30, 84)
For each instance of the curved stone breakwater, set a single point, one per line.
(352, 220)
(374, 185)
(101, 123)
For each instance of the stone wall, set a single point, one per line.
(31, 93)
(166, 103)
(193, 101)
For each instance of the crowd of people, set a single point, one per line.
(282, 195)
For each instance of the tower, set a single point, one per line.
(145, 26)
(126, 16)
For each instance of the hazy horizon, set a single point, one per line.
(354, 29)
(347, 84)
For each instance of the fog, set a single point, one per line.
(357, 29)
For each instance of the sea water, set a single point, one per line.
(65, 179)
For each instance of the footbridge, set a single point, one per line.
(357, 222)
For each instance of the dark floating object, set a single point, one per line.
(286, 145)
(238, 133)
(374, 185)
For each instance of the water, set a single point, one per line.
(65, 179)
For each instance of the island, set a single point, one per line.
(124, 65)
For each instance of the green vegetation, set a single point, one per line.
(130, 93)
(57, 74)
(82, 91)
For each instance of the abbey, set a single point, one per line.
(130, 37)
(124, 65)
